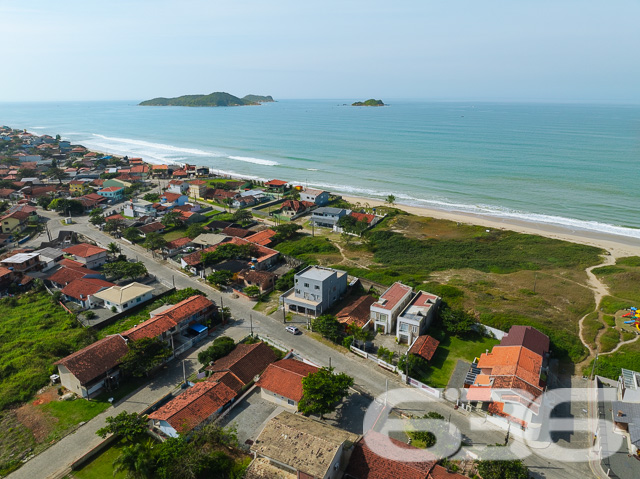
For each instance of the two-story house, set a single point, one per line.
(112, 193)
(179, 187)
(385, 311)
(91, 256)
(173, 199)
(318, 197)
(15, 222)
(328, 217)
(315, 290)
(416, 318)
(139, 208)
(22, 262)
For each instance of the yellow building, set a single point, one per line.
(78, 187)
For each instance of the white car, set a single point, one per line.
(293, 330)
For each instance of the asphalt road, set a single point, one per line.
(368, 377)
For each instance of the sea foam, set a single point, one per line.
(256, 161)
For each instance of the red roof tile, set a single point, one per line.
(109, 189)
(178, 243)
(83, 287)
(262, 237)
(275, 183)
(151, 228)
(84, 250)
(229, 379)
(285, 378)
(159, 167)
(115, 217)
(237, 232)
(246, 361)
(425, 346)
(171, 197)
(358, 312)
(363, 217)
(439, 472)
(73, 264)
(96, 359)
(66, 275)
(194, 406)
(527, 336)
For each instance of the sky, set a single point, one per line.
(511, 50)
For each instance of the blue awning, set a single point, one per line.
(198, 328)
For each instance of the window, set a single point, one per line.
(317, 287)
(414, 329)
(306, 285)
(290, 402)
(297, 291)
(138, 300)
(404, 327)
(124, 305)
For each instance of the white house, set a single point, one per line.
(126, 297)
(89, 255)
(139, 208)
(178, 186)
(319, 197)
(417, 317)
(385, 311)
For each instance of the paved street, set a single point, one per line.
(367, 376)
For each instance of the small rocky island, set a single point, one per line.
(369, 102)
(213, 99)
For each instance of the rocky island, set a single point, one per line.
(213, 99)
(369, 102)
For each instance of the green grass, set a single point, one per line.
(609, 319)
(34, 333)
(307, 248)
(102, 466)
(72, 413)
(175, 234)
(628, 357)
(451, 349)
(591, 326)
(609, 340)
(128, 322)
(627, 335)
(611, 305)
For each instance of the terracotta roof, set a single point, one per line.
(96, 359)
(295, 205)
(285, 378)
(237, 232)
(177, 182)
(367, 464)
(275, 183)
(194, 406)
(256, 277)
(93, 196)
(527, 336)
(159, 167)
(66, 275)
(18, 215)
(112, 188)
(171, 197)
(5, 192)
(198, 182)
(246, 361)
(169, 318)
(229, 379)
(178, 243)
(151, 227)
(512, 360)
(439, 472)
(117, 216)
(180, 173)
(393, 295)
(84, 250)
(73, 264)
(358, 312)
(363, 217)
(261, 253)
(425, 346)
(262, 237)
(82, 288)
(140, 169)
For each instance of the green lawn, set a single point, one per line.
(128, 322)
(175, 234)
(34, 333)
(449, 351)
(71, 413)
(102, 466)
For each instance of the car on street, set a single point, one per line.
(293, 330)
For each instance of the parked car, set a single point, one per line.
(293, 330)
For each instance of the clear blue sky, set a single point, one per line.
(520, 50)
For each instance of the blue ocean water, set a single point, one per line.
(572, 165)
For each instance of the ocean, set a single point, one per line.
(572, 165)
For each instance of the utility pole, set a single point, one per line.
(173, 280)
(535, 279)
(593, 367)
(222, 309)
(184, 373)
(506, 438)
(251, 323)
(284, 314)
(329, 362)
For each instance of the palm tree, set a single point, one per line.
(391, 199)
(113, 249)
(136, 460)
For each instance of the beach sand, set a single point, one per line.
(617, 246)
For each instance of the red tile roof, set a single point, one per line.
(66, 275)
(294, 205)
(177, 182)
(275, 183)
(194, 406)
(159, 167)
(84, 250)
(285, 378)
(171, 197)
(229, 379)
(178, 243)
(393, 295)
(116, 217)
(246, 361)
(237, 232)
(151, 227)
(83, 287)
(363, 217)
(358, 312)
(527, 336)
(425, 346)
(198, 182)
(368, 462)
(109, 189)
(171, 317)
(73, 264)
(439, 472)
(140, 169)
(96, 359)
(262, 237)
(262, 253)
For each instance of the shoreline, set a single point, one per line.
(617, 246)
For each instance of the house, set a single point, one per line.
(317, 197)
(304, 446)
(276, 184)
(173, 199)
(193, 408)
(5, 193)
(196, 188)
(357, 313)
(385, 311)
(237, 232)
(315, 290)
(528, 337)
(22, 262)
(219, 195)
(416, 318)
(66, 274)
(217, 225)
(264, 237)
(264, 280)
(179, 187)
(112, 193)
(179, 325)
(82, 291)
(258, 195)
(91, 256)
(190, 217)
(138, 208)
(246, 361)
(173, 247)
(369, 219)
(327, 217)
(15, 222)
(626, 420)
(91, 201)
(49, 257)
(281, 382)
(88, 371)
(294, 207)
(509, 381)
(243, 201)
(424, 346)
(79, 187)
(155, 227)
(126, 297)
(209, 239)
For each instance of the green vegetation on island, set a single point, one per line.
(213, 99)
(369, 102)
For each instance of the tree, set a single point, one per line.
(125, 269)
(195, 230)
(358, 333)
(500, 469)
(43, 201)
(65, 206)
(144, 355)
(129, 426)
(328, 326)
(113, 248)
(285, 282)
(154, 241)
(112, 226)
(413, 366)
(136, 460)
(242, 216)
(56, 173)
(322, 391)
(221, 347)
(456, 322)
(152, 197)
(285, 231)
(252, 291)
(172, 218)
(132, 234)
(96, 220)
(391, 199)
(220, 278)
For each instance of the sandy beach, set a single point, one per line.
(617, 246)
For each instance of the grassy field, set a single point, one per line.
(67, 414)
(310, 249)
(34, 333)
(591, 328)
(175, 233)
(102, 466)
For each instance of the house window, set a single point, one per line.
(317, 287)
(414, 329)
(290, 402)
(138, 300)
(124, 305)
(306, 285)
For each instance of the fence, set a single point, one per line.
(375, 359)
(483, 328)
(422, 387)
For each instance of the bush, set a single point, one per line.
(221, 347)
(347, 342)
(90, 314)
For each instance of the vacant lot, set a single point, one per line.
(34, 333)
